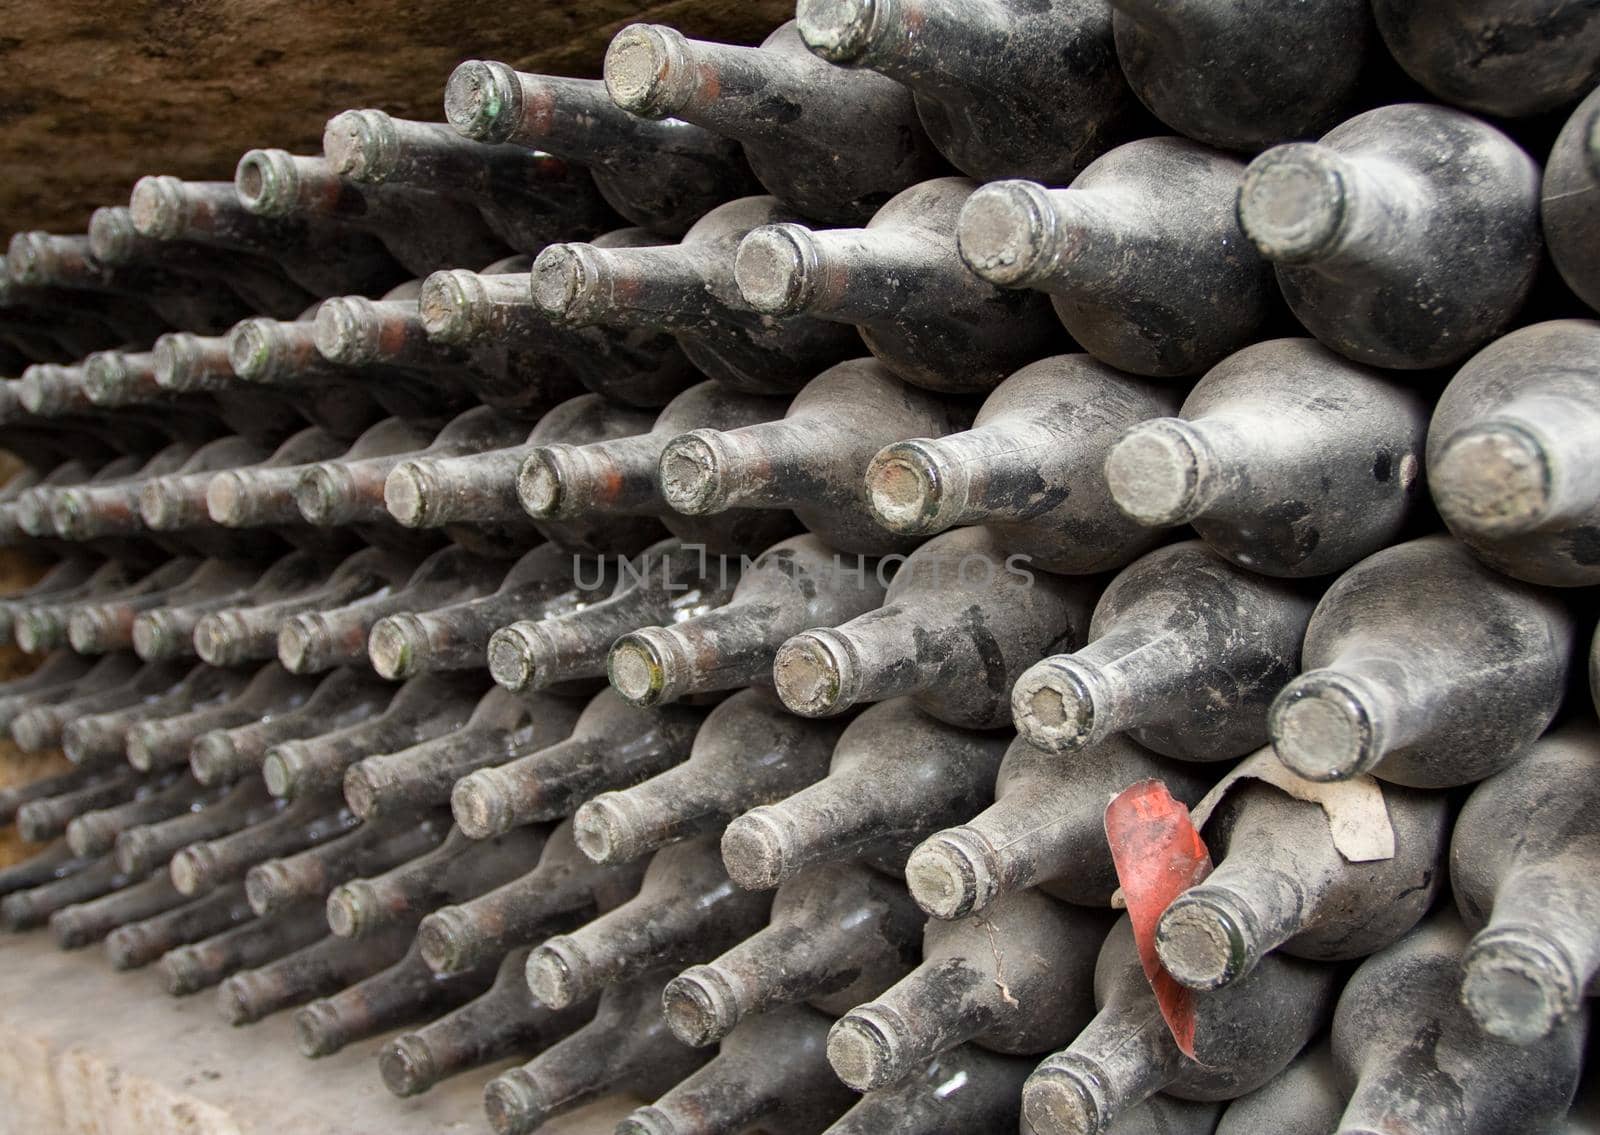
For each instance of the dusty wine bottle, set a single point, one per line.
(1017, 979)
(901, 283)
(503, 728)
(771, 1072)
(189, 969)
(1405, 702)
(1405, 1000)
(137, 944)
(104, 625)
(960, 623)
(965, 1089)
(1185, 652)
(454, 636)
(1046, 829)
(839, 934)
(1281, 884)
(322, 968)
(626, 1047)
(459, 869)
(504, 1021)
(528, 198)
(897, 776)
(685, 910)
(1286, 458)
(83, 924)
(167, 632)
(1569, 205)
(1029, 468)
(1504, 452)
(664, 583)
(795, 585)
(1369, 233)
(1141, 256)
(748, 752)
(993, 81)
(663, 174)
(26, 909)
(1246, 76)
(426, 707)
(1304, 1099)
(143, 849)
(830, 143)
(277, 884)
(205, 866)
(689, 290)
(95, 833)
(566, 889)
(618, 476)
(101, 738)
(1243, 1035)
(1534, 955)
(167, 743)
(1504, 59)
(812, 459)
(342, 698)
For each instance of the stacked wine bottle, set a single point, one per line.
(719, 585)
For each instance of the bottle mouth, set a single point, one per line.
(953, 874)
(105, 374)
(478, 805)
(407, 1066)
(362, 145)
(776, 269)
(217, 638)
(267, 182)
(1292, 202)
(864, 1047)
(317, 1030)
(700, 1006)
(297, 642)
(814, 673)
(319, 493)
(640, 667)
(157, 207)
(1203, 939)
(554, 973)
(514, 1104)
(564, 281)
(649, 70)
(483, 100)
(1007, 234)
(28, 258)
(1493, 480)
(346, 331)
(691, 474)
(1323, 728)
(112, 237)
(840, 31)
(450, 306)
(256, 350)
(758, 849)
(608, 829)
(1053, 705)
(1154, 473)
(406, 494)
(191, 870)
(910, 491)
(1518, 984)
(1062, 1097)
(263, 884)
(540, 483)
(346, 907)
(515, 656)
(439, 937)
(389, 646)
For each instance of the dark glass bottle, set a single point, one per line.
(748, 752)
(167, 631)
(189, 969)
(503, 728)
(318, 970)
(143, 849)
(840, 934)
(960, 623)
(167, 743)
(134, 945)
(1406, 237)
(1400, 1023)
(663, 175)
(1016, 979)
(1286, 458)
(830, 143)
(664, 583)
(1243, 1035)
(1248, 75)
(83, 924)
(1141, 256)
(796, 584)
(771, 1073)
(1394, 664)
(277, 884)
(966, 1089)
(897, 776)
(1506, 453)
(1046, 829)
(1569, 205)
(685, 910)
(1029, 469)
(1004, 90)
(1535, 952)
(813, 458)
(689, 289)
(1304, 1099)
(1185, 652)
(206, 865)
(901, 283)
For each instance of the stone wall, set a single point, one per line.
(96, 94)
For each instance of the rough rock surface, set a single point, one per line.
(97, 94)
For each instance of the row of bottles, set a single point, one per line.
(656, 580)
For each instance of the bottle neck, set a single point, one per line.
(1067, 242)
(840, 817)
(428, 492)
(1306, 203)
(771, 465)
(421, 777)
(881, 655)
(334, 493)
(354, 331)
(1122, 1058)
(1528, 969)
(922, 43)
(985, 474)
(615, 478)
(391, 997)
(667, 287)
(527, 910)
(451, 638)
(467, 308)
(1341, 720)
(187, 363)
(674, 805)
(1522, 467)
(781, 965)
(536, 787)
(1128, 677)
(724, 649)
(737, 92)
(1214, 934)
(857, 276)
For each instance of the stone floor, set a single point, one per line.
(88, 1051)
